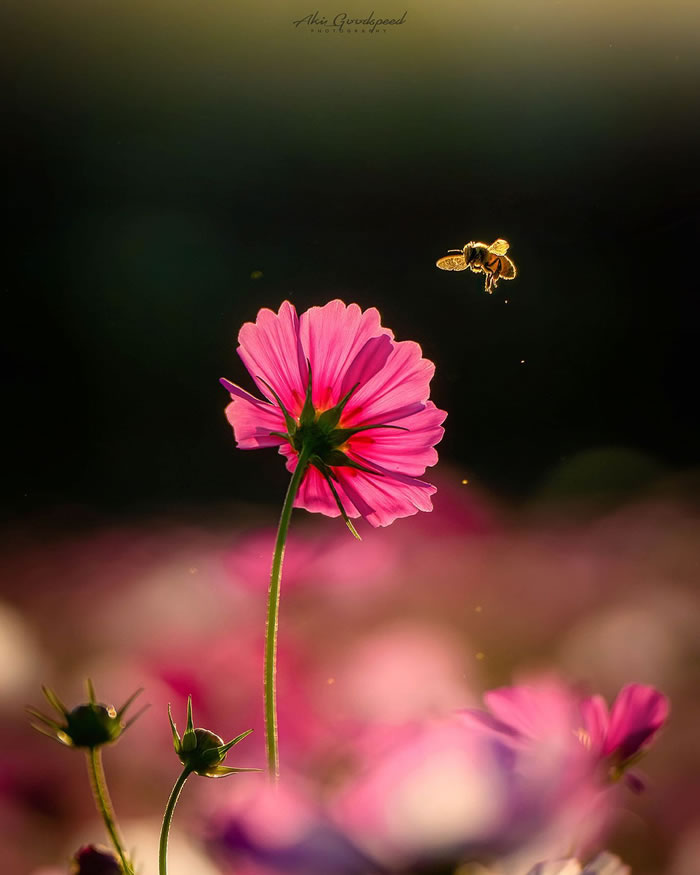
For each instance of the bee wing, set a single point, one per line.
(452, 262)
(499, 247)
(508, 271)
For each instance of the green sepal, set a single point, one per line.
(308, 414)
(323, 468)
(128, 702)
(338, 459)
(173, 728)
(288, 418)
(331, 417)
(135, 717)
(54, 701)
(58, 735)
(619, 767)
(44, 719)
(225, 771)
(211, 757)
(189, 739)
(343, 434)
(225, 748)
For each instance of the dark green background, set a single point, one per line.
(161, 152)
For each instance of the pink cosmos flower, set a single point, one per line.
(636, 716)
(343, 395)
(540, 721)
(549, 717)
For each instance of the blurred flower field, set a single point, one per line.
(383, 646)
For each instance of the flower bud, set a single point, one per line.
(202, 751)
(95, 860)
(89, 725)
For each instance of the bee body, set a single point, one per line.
(491, 260)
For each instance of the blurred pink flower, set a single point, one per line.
(636, 716)
(541, 722)
(542, 716)
(426, 790)
(550, 713)
(534, 711)
(335, 381)
(456, 789)
(552, 721)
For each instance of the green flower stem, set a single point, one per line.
(273, 604)
(104, 805)
(167, 818)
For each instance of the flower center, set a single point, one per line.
(315, 435)
(319, 439)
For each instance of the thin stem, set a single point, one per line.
(167, 818)
(273, 604)
(104, 805)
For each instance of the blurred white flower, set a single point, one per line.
(604, 864)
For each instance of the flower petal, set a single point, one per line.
(270, 349)
(594, 713)
(368, 362)
(315, 496)
(636, 716)
(381, 500)
(333, 338)
(483, 721)
(404, 380)
(397, 451)
(538, 711)
(253, 419)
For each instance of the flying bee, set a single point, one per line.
(480, 258)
